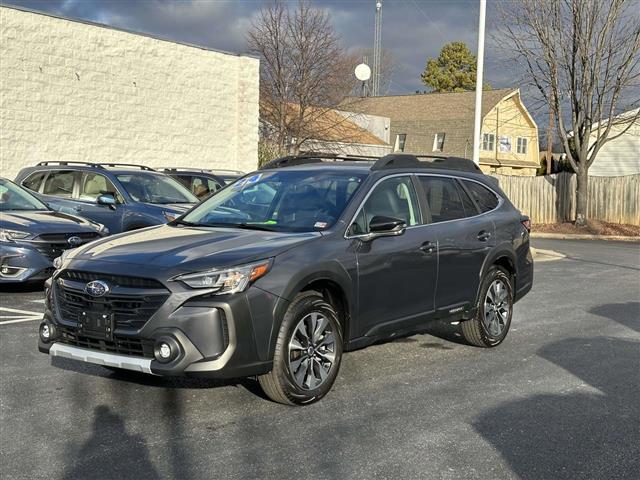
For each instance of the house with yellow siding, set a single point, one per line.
(442, 124)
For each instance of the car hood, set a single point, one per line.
(44, 221)
(190, 248)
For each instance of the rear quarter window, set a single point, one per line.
(33, 181)
(484, 198)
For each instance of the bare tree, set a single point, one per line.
(304, 73)
(583, 58)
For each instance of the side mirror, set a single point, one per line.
(380, 226)
(107, 199)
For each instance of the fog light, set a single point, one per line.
(164, 351)
(47, 332)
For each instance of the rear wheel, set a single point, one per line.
(494, 310)
(308, 352)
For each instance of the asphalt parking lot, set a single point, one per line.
(559, 399)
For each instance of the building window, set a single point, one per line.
(521, 145)
(438, 142)
(488, 141)
(401, 138)
(505, 143)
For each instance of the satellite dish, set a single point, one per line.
(363, 72)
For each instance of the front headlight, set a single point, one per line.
(11, 235)
(170, 216)
(58, 261)
(227, 280)
(100, 227)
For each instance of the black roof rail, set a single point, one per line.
(95, 165)
(70, 162)
(292, 160)
(133, 165)
(404, 160)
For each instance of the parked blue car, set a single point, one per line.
(122, 197)
(32, 235)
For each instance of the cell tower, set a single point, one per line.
(377, 51)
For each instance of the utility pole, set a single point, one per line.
(479, 70)
(550, 137)
(377, 50)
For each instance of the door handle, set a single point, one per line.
(428, 247)
(483, 235)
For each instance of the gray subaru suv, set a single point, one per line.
(279, 273)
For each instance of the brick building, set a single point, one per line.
(74, 90)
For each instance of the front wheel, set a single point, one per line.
(307, 354)
(494, 310)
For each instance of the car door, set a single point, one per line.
(396, 277)
(464, 239)
(91, 186)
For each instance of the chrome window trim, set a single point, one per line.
(500, 201)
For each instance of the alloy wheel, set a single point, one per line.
(496, 308)
(312, 351)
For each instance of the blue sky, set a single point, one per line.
(413, 30)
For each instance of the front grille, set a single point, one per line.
(132, 300)
(118, 280)
(64, 237)
(51, 245)
(119, 345)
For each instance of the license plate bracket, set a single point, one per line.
(96, 324)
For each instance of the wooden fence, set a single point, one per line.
(552, 198)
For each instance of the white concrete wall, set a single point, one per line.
(346, 148)
(379, 126)
(620, 156)
(76, 91)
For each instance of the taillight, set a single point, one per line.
(526, 223)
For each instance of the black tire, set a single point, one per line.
(280, 384)
(476, 331)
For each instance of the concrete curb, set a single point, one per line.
(540, 255)
(568, 236)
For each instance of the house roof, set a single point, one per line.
(330, 125)
(430, 106)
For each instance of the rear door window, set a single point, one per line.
(443, 199)
(33, 181)
(59, 183)
(484, 198)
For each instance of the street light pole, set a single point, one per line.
(479, 70)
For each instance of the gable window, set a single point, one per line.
(438, 142)
(505, 143)
(488, 141)
(401, 138)
(521, 146)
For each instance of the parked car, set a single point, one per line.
(123, 197)
(32, 235)
(200, 182)
(229, 176)
(279, 273)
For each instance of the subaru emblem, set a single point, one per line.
(97, 288)
(74, 241)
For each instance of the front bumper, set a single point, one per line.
(20, 263)
(216, 336)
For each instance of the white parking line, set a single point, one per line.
(17, 316)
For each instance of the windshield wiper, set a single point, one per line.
(254, 226)
(187, 224)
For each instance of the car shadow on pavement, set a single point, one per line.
(577, 434)
(128, 457)
(627, 314)
(144, 379)
(22, 287)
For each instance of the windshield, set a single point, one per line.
(287, 201)
(12, 197)
(154, 188)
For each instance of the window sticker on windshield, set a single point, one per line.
(320, 225)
